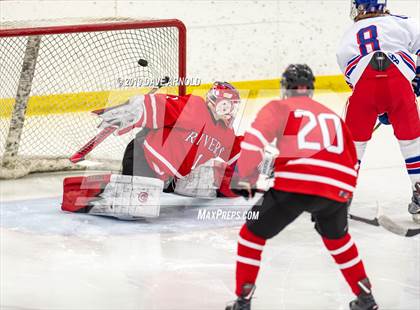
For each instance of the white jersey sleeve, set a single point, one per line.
(413, 28)
(396, 36)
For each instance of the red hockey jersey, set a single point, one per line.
(317, 155)
(184, 135)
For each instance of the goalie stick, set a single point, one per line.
(94, 142)
(106, 132)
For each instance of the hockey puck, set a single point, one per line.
(142, 62)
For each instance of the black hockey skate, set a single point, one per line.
(365, 300)
(244, 301)
(414, 206)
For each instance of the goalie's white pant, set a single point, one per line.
(129, 197)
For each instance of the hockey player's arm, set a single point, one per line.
(224, 173)
(123, 117)
(416, 81)
(261, 133)
(414, 30)
(342, 63)
(146, 111)
(235, 151)
(161, 110)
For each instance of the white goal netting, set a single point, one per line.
(53, 73)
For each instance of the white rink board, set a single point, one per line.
(55, 260)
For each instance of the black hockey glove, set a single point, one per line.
(383, 118)
(416, 82)
(245, 189)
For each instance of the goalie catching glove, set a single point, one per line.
(120, 196)
(124, 117)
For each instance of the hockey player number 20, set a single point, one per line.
(321, 121)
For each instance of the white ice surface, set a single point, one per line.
(55, 260)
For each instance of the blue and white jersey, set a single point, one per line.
(396, 36)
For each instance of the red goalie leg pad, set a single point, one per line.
(79, 191)
(345, 254)
(250, 248)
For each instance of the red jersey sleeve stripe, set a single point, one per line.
(151, 112)
(251, 147)
(251, 139)
(145, 111)
(259, 135)
(154, 112)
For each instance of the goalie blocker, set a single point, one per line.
(120, 196)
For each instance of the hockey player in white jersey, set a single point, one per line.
(377, 56)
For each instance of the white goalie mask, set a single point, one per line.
(223, 100)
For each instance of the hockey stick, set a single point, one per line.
(395, 228)
(385, 222)
(373, 222)
(388, 224)
(106, 132)
(94, 142)
(377, 126)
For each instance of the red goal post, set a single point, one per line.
(55, 71)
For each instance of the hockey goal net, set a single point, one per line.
(53, 73)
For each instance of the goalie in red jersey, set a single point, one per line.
(315, 172)
(179, 133)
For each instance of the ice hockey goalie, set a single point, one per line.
(179, 134)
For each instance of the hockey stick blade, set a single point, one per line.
(395, 228)
(373, 222)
